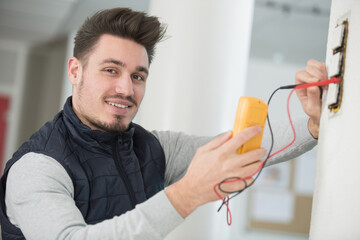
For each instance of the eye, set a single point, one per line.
(138, 77)
(110, 70)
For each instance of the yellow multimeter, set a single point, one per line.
(250, 111)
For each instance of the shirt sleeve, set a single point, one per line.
(39, 200)
(283, 136)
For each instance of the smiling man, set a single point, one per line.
(91, 173)
(115, 72)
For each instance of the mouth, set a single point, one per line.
(118, 105)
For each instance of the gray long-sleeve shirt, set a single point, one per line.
(40, 194)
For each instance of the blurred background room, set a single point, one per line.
(215, 52)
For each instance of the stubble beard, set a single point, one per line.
(116, 126)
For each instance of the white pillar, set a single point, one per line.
(199, 72)
(195, 81)
(336, 204)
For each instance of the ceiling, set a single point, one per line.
(283, 30)
(34, 21)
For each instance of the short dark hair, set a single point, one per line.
(122, 22)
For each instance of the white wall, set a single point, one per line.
(336, 208)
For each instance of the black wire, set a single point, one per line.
(265, 161)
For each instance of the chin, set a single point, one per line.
(114, 126)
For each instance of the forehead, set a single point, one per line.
(122, 49)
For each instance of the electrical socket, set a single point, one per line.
(336, 67)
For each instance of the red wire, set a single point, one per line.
(321, 83)
(307, 85)
(291, 124)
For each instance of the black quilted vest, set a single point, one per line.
(111, 173)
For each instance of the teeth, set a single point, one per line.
(117, 105)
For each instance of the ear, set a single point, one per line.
(74, 70)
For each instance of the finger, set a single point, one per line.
(247, 171)
(303, 76)
(251, 169)
(316, 68)
(314, 92)
(235, 183)
(216, 142)
(241, 138)
(241, 160)
(317, 64)
(316, 72)
(314, 102)
(319, 67)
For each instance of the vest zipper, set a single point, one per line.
(123, 175)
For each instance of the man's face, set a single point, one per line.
(108, 90)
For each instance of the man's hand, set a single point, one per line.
(211, 164)
(310, 98)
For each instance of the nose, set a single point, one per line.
(124, 86)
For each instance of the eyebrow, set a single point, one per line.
(142, 69)
(121, 64)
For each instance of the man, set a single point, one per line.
(93, 174)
